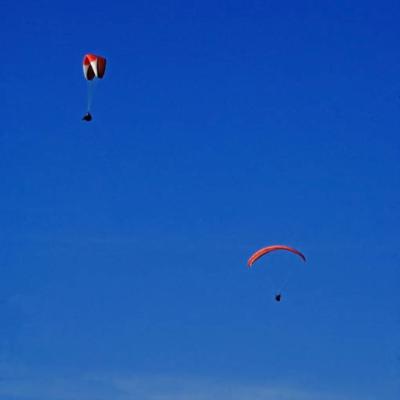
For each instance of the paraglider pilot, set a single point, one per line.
(278, 297)
(87, 117)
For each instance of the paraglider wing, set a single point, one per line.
(93, 66)
(269, 249)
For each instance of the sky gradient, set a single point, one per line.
(220, 127)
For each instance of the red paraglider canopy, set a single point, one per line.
(268, 249)
(93, 66)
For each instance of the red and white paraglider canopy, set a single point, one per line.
(93, 66)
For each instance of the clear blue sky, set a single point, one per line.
(220, 127)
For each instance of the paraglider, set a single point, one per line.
(265, 250)
(94, 67)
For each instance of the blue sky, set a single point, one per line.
(220, 127)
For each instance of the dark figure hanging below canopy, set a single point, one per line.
(87, 117)
(278, 297)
